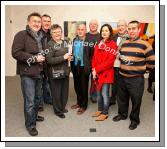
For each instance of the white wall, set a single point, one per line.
(59, 14)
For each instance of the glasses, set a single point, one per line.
(54, 32)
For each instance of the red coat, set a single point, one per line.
(103, 62)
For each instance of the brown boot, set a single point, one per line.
(102, 117)
(96, 114)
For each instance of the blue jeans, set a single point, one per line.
(46, 93)
(103, 98)
(31, 90)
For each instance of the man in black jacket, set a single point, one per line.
(27, 50)
(46, 94)
(81, 68)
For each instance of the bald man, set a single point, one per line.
(81, 67)
(121, 36)
(93, 37)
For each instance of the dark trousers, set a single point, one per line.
(130, 88)
(59, 92)
(81, 81)
(32, 91)
(151, 78)
(115, 85)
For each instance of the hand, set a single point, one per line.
(71, 58)
(40, 58)
(94, 73)
(67, 56)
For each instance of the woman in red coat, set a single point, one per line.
(102, 70)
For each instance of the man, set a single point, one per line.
(27, 49)
(136, 55)
(46, 95)
(121, 36)
(93, 37)
(81, 68)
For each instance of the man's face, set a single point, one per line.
(35, 23)
(46, 23)
(133, 30)
(122, 27)
(93, 26)
(81, 30)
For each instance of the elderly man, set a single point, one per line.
(27, 49)
(93, 37)
(81, 67)
(121, 36)
(136, 56)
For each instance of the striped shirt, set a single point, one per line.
(136, 56)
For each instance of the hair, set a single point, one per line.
(54, 27)
(46, 15)
(33, 14)
(134, 22)
(81, 23)
(110, 29)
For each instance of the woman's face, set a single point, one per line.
(56, 34)
(105, 33)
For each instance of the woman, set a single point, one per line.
(57, 59)
(103, 71)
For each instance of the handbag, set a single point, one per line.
(58, 74)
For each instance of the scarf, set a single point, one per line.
(37, 36)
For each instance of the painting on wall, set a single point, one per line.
(147, 30)
(70, 29)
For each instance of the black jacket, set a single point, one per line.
(24, 50)
(86, 57)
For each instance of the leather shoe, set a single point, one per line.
(40, 108)
(32, 131)
(75, 106)
(149, 90)
(40, 118)
(80, 111)
(61, 115)
(133, 125)
(65, 111)
(118, 118)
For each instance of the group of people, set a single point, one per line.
(114, 63)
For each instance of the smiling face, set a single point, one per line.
(133, 30)
(34, 23)
(105, 33)
(93, 25)
(46, 23)
(81, 31)
(122, 27)
(56, 34)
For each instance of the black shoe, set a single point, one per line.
(40, 118)
(118, 118)
(33, 131)
(61, 115)
(112, 103)
(133, 125)
(149, 90)
(65, 111)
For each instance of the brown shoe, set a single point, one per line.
(80, 111)
(40, 108)
(96, 114)
(75, 106)
(102, 117)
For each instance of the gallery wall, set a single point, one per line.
(15, 19)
